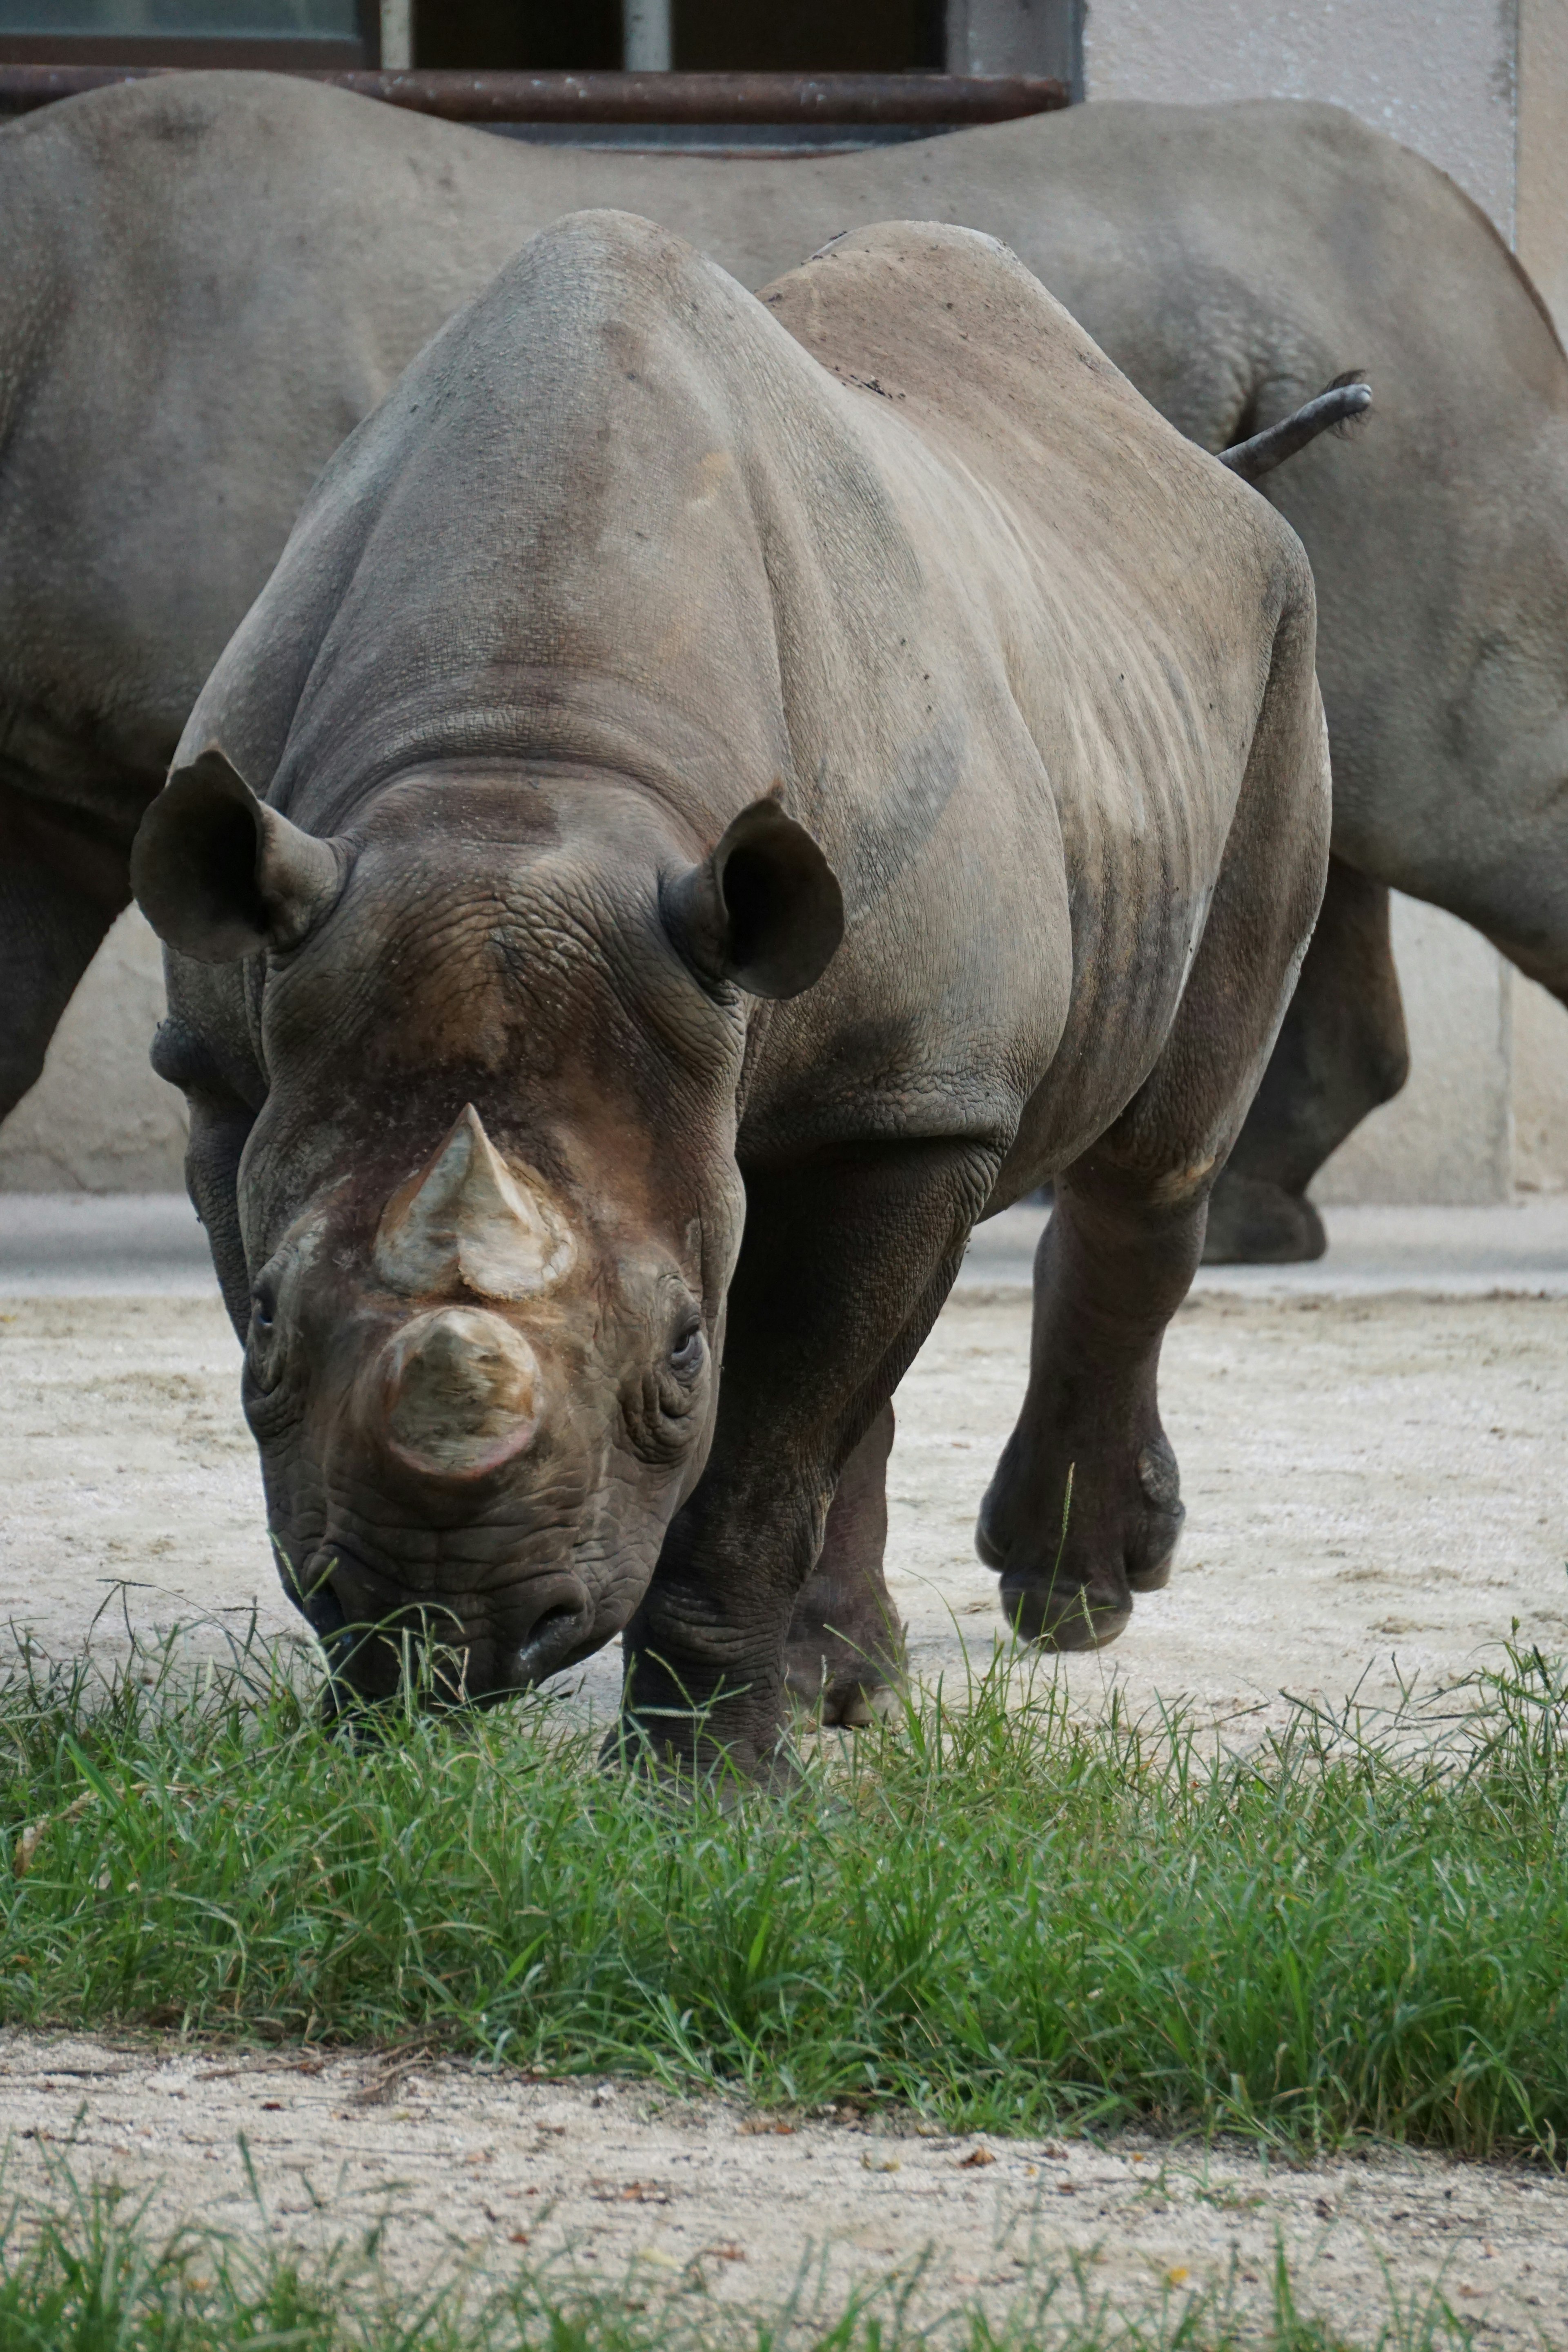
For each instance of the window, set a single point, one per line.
(801, 36)
(808, 36)
(333, 34)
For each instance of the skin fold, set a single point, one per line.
(719, 794)
(213, 279)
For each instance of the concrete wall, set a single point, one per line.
(1541, 195)
(1437, 74)
(1479, 85)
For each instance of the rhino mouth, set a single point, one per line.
(473, 1647)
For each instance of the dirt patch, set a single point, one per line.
(611, 2180)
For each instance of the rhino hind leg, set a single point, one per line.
(1085, 1507)
(1342, 1051)
(845, 1655)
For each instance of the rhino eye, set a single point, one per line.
(685, 1355)
(264, 1348)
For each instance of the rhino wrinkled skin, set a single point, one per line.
(214, 278)
(718, 794)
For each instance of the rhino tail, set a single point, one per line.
(1347, 397)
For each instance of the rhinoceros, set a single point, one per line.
(225, 272)
(717, 795)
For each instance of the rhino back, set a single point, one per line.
(1233, 259)
(1002, 634)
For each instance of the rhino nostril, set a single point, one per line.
(558, 1635)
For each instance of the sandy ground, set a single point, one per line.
(600, 2181)
(1376, 1490)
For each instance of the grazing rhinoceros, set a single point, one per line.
(823, 763)
(225, 272)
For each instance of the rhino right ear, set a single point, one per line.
(762, 909)
(220, 876)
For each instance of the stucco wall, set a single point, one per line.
(1541, 209)
(1437, 74)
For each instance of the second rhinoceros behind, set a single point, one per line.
(824, 763)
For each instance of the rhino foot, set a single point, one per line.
(843, 1676)
(1070, 1560)
(1253, 1223)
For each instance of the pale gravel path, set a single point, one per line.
(1376, 1487)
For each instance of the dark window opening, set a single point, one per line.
(808, 36)
(708, 35)
(518, 35)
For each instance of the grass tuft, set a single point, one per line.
(994, 1914)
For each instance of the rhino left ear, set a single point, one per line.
(762, 909)
(220, 876)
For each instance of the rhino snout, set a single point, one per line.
(487, 1645)
(460, 1393)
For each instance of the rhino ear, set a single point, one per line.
(762, 909)
(220, 876)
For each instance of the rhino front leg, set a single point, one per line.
(52, 926)
(842, 1273)
(1342, 1051)
(846, 1649)
(1085, 1507)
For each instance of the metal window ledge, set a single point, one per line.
(932, 101)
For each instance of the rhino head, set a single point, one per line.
(481, 1230)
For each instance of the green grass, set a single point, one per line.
(88, 2274)
(993, 1915)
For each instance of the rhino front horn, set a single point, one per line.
(466, 1220)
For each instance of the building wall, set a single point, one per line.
(1437, 74)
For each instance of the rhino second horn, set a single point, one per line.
(464, 1218)
(460, 1392)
